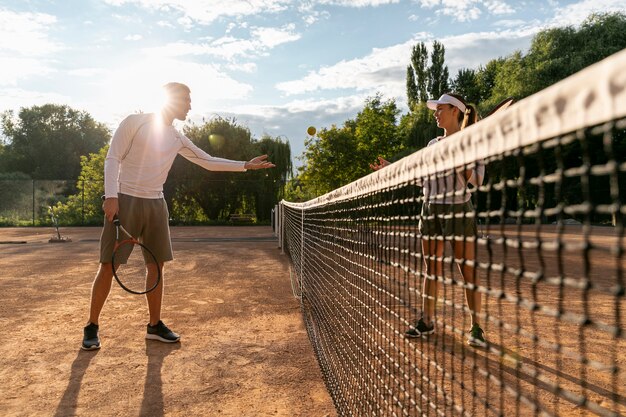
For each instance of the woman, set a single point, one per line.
(444, 196)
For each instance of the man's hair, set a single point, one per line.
(175, 89)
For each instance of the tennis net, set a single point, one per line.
(545, 257)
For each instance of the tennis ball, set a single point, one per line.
(311, 130)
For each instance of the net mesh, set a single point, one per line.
(540, 245)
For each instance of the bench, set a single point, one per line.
(241, 218)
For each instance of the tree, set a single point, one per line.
(16, 192)
(47, 142)
(485, 83)
(513, 79)
(416, 129)
(417, 75)
(554, 54)
(423, 81)
(85, 207)
(269, 187)
(438, 71)
(340, 155)
(557, 53)
(466, 84)
(195, 194)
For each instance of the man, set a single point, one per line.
(141, 154)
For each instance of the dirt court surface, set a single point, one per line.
(244, 350)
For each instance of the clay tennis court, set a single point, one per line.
(244, 349)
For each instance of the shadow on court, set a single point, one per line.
(69, 400)
(244, 350)
(153, 403)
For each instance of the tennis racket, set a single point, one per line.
(503, 105)
(129, 261)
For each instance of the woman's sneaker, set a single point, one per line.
(161, 333)
(420, 329)
(477, 337)
(91, 341)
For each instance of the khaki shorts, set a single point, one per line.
(437, 220)
(147, 220)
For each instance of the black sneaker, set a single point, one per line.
(477, 337)
(91, 341)
(420, 329)
(161, 333)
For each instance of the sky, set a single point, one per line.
(275, 66)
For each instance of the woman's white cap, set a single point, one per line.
(446, 99)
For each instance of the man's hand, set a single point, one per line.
(381, 164)
(260, 162)
(111, 208)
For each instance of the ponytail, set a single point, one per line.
(469, 116)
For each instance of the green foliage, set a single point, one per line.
(554, 54)
(466, 84)
(417, 128)
(513, 79)
(190, 189)
(423, 80)
(47, 142)
(85, 206)
(269, 185)
(295, 191)
(340, 155)
(16, 192)
(438, 71)
(485, 83)
(417, 75)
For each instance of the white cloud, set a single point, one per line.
(87, 72)
(268, 37)
(133, 37)
(429, 4)
(310, 15)
(460, 10)
(261, 40)
(357, 3)
(164, 24)
(509, 23)
(16, 98)
(248, 67)
(344, 104)
(15, 69)
(498, 7)
(574, 14)
(467, 10)
(207, 11)
(26, 34)
(383, 68)
(474, 49)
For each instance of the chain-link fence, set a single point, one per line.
(77, 203)
(28, 202)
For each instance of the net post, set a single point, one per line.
(302, 252)
(273, 220)
(33, 202)
(281, 228)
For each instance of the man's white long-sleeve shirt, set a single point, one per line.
(142, 152)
